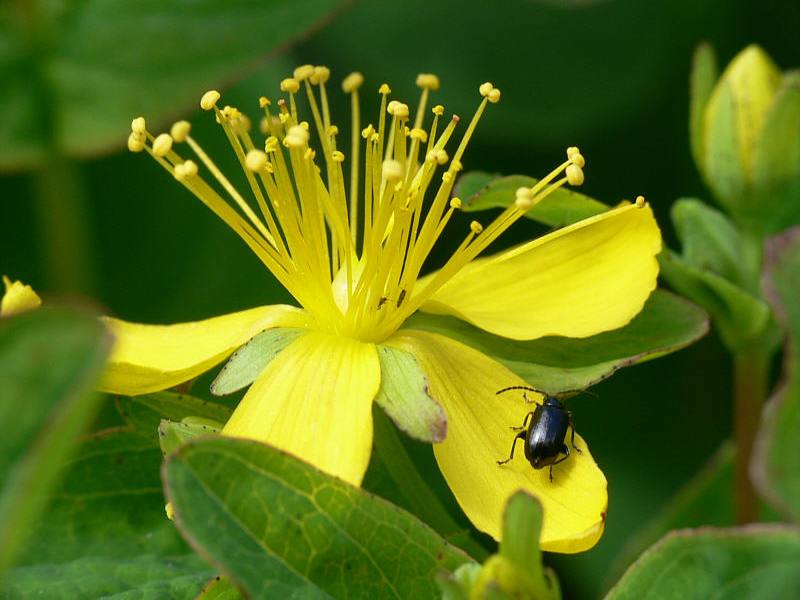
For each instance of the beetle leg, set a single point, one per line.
(572, 424)
(519, 436)
(565, 450)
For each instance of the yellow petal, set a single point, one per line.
(18, 297)
(589, 277)
(465, 382)
(314, 400)
(148, 358)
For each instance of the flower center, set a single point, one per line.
(351, 257)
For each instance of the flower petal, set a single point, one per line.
(315, 401)
(465, 382)
(149, 358)
(17, 298)
(589, 277)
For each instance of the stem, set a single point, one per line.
(423, 502)
(751, 380)
(60, 210)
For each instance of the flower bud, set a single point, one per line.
(743, 125)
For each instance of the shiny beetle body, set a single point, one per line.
(544, 432)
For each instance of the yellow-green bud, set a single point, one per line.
(741, 126)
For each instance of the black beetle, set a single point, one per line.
(544, 431)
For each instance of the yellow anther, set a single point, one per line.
(170, 511)
(305, 125)
(290, 85)
(271, 144)
(269, 167)
(320, 75)
(162, 144)
(476, 227)
(398, 109)
(209, 99)
(187, 168)
(135, 142)
(485, 89)
(577, 159)
(572, 150)
(640, 201)
(392, 170)
(428, 81)
(263, 125)
(455, 203)
(138, 125)
(284, 118)
(375, 137)
(447, 176)
(333, 130)
(367, 132)
(524, 198)
(441, 156)
(574, 175)
(352, 82)
(303, 72)
(494, 96)
(384, 89)
(456, 166)
(438, 110)
(309, 154)
(337, 156)
(180, 131)
(406, 131)
(419, 134)
(297, 137)
(264, 102)
(256, 160)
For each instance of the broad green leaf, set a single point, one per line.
(144, 413)
(106, 534)
(172, 434)
(220, 588)
(49, 362)
(738, 316)
(704, 500)
(711, 242)
(404, 396)
(777, 459)
(562, 207)
(701, 84)
(278, 526)
(247, 362)
(757, 561)
(667, 323)
(90, 67)
(776, 159)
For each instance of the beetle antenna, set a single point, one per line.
(519, 387)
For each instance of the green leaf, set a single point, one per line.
(701, 83)
(278, 526)
(776, 159)
(172, 434)
(106, 534)
(404, 396)
(777, 457)
(710, 241)
(704, 500)
(49, 362)
(248, 361)
(220, 588)
(78, 73)
(739, 316)
(757, 561)
(562, 207)
(667, 323)
(144, 413)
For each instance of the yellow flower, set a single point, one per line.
(352, 260)
(17, 298)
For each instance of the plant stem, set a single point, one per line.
(423, 502)
(751, 382)
(63, 237)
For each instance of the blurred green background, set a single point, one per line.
(81, 218)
